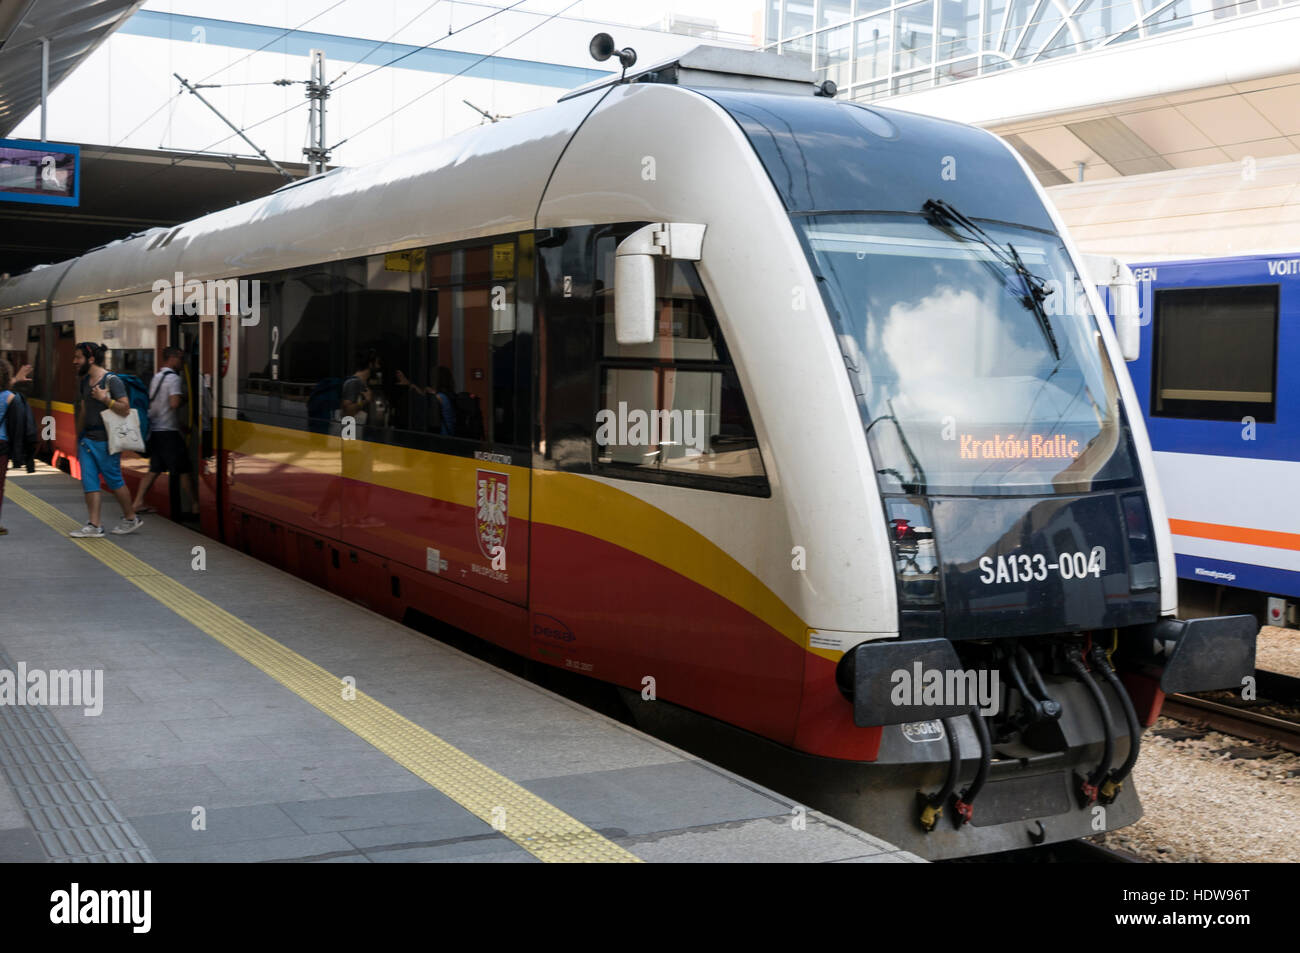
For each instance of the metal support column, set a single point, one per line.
(45, 81)
(317, 92)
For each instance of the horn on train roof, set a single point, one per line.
(720, 66)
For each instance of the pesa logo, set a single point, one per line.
(549, 627)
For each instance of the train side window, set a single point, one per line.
(303, 337)
(35, 337)
(672, 410)
(137, 361)
(1216, 353)
(255, 366)
(470, 343)
(686, 329)
(31, 355)
(16, 360)
(381, 330)
(678, 423)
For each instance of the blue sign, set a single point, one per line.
(44, 173)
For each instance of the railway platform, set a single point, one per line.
(172, 699)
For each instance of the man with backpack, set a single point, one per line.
(167, 452)
(98, 391)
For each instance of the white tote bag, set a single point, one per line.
(123, 432)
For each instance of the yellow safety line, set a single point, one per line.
(534, 824)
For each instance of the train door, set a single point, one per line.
(205, 474)
(62, 393)
(187, 334)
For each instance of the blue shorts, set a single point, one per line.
(95, 461)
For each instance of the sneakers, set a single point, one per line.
(91, 531)
(125, 526)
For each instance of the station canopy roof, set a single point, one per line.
(1234, 122)
(73, 27)
(1222, 93)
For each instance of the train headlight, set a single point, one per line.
(916, 554)
(1143, 568)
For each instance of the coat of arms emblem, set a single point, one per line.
(491, 511)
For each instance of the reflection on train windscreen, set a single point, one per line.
(965, 383)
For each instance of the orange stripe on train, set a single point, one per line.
(1236, 534)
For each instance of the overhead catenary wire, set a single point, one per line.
(426, 46)
(180, 92)
(388, 40)
(468, 26)
(455, 75)
(207, 150)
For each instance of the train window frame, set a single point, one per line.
(751, 484)
(719, 363)
(499, 253)
(448, 277)
(37, 345)
(128, 360)
(1208, 408)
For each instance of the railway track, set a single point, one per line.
(1244, 722)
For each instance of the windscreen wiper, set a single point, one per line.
(1036, 291)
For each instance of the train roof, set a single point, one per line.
(32, 289)
(1292, 254)
(491, 180)
(485, 181)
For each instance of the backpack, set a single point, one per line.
(469, 418)
(137, 396)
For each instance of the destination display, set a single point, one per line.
(946, 456)
(1023, 446)
(44, 173)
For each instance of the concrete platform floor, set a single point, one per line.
(200, 755)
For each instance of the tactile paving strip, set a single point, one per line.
(74, 819)
(531, 822)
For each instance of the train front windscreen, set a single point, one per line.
(975, 355)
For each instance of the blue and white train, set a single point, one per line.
(1218, 339)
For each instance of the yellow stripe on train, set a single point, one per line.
(567, 500)
(436, 476)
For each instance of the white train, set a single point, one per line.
(789, 416)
